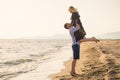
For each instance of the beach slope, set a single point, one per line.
(99, 61)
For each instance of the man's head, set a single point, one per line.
(67, 25)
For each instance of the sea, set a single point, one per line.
(19, 56)
(110, 35)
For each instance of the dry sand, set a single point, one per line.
(99, 61)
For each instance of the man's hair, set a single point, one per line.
(65, 25)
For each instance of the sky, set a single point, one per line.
(44, 18)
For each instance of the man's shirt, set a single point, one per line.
(72, 30)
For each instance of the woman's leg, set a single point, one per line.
(89, 39)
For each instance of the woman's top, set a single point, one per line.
(76, 17)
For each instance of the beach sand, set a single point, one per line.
(98, 61)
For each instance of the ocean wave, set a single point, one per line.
(21, 56)
(14, 70)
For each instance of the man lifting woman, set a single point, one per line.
(77, 33)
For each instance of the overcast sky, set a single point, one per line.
(29, 18)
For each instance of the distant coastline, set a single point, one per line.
(110, 35)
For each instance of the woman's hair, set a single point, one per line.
(72, 8)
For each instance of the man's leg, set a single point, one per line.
(76, 50)
(73, 65)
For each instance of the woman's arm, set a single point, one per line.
(77, 25)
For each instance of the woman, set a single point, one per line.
(75, 18)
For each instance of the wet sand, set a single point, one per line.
(99, 61)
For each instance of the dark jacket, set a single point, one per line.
(76, 17)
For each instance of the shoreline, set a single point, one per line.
(98, 61)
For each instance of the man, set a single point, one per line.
(76, 45)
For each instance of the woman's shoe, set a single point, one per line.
(96, 40)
